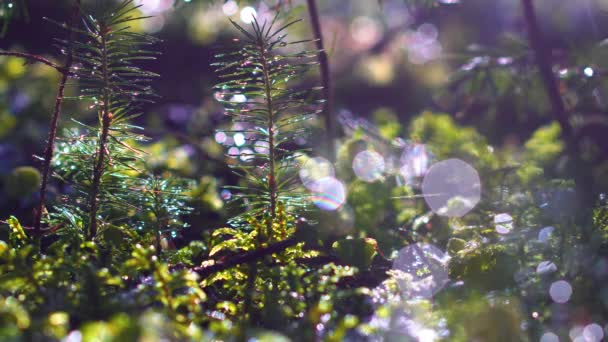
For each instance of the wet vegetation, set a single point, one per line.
(303, 170)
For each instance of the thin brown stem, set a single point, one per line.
(544, 63)
(330, 120)
(35, 58)
(248, 257)
(50, 147)
(106, 119)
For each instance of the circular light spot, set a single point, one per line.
(226, 194)
(546, 267)
(261, 146)
(365, 31)
(425, 268)
(315, 169)
(233, 152)
(593, 332)
(239, 139)
(560, 291)
(549, 337)
(589, 72)
(369, 166)
(576, 333)
(414, 162)
(503, 223)
(328, 193)
(154, 6)
(248, 14)
(247, 155)
(427, 32)
(220, 137)
(238, 98)
(451, 188)
(545, 234)
(230, 7)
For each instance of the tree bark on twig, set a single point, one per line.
(50, 147)
(545, 65)
(542, 54)
(34, 59)
(248, 257)
(330, 120)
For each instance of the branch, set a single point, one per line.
(34, 58)
(545, 66)
(245, 258)
(48, 152)
(330, 120)
(106, 120)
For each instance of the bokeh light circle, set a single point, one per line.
(560, 291)
(369, 166)
(248, 14)
(593, 332)
(328, 193)
(549, 337)
(426, 267)
(503, 223)
(315, 169)
(451, 188)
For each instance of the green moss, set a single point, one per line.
(22, 182)
(449, 140)
(545, 145)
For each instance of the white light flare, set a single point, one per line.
(451, 188)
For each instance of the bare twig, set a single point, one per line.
(244, 258)
(35, 58)
(545, 65)
(330, 120)
(48, 152)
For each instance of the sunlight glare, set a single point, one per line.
(248, 14)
